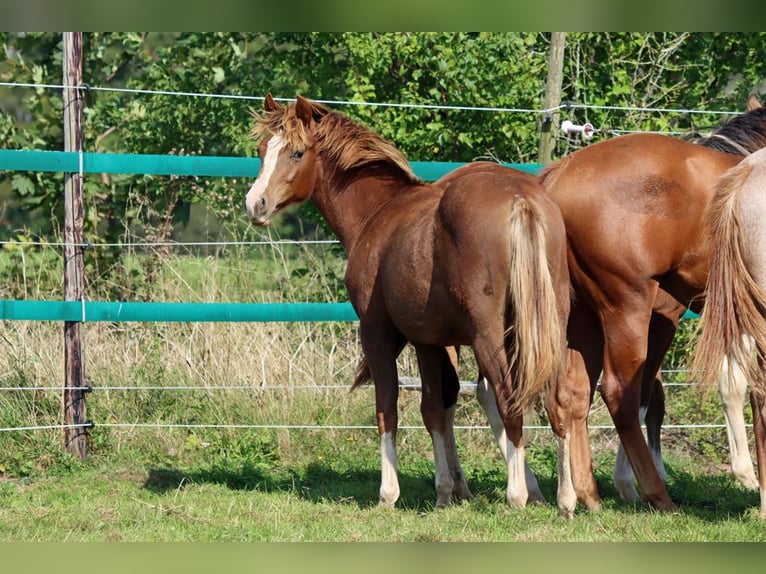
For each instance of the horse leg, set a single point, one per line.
(733, 386)
(651, 414)
(561, 401)
(662, 328)
(758, 404)
(653, 419)
(381, 352)
(585, 359)
(439, 396)
(486, 397)
(626, 336)
(452, 382)
(494, 365)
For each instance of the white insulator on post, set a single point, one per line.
(586, 131)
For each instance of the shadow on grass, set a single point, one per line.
(319, 482)
(314, 483)
(708, 498)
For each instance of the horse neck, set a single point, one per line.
(742, 136)
(348, 200)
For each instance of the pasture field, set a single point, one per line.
(247, 432)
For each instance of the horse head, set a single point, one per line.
(289, 157)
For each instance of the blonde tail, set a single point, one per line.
(735, 305)
(536, 330)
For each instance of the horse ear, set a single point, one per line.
(269, 104)
(303, 110)
(307, 111)
(753, 103)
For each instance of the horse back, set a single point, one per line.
(639, 172)
(635, 207)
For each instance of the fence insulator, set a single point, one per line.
(586, 131)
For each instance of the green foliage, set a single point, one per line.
(458, 70)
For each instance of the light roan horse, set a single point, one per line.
(635, 209)
(733, 323)
(479, 261)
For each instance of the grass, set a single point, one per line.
(266, 482)
(333, 498)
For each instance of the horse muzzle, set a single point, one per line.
(258, 210)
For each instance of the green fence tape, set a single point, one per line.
(174, 312)
(60, 161)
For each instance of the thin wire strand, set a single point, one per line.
(561, 107)
(315, 427)
(87, 245)
(465, 386)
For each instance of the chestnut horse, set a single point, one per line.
(733, 323)
(479, 261)
(639, 252)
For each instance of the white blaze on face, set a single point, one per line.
(259, 187)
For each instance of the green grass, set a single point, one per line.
(330, 494)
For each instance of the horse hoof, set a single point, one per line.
(516, 502)
(566, 513)
(388, 499)
(663, 505)
(536, 498)
(592, 505)
(461, 492)
(748, 481)
(461, 497)
(590, 500)
(627, 492)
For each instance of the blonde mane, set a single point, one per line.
(341, 140)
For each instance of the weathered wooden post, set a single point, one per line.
(75, 422)
(550, 122)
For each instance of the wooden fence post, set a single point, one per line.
(75, 434)
(550, 123)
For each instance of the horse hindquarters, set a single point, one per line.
(733, 323)
(534, 355)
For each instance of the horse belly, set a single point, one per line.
(425, 314)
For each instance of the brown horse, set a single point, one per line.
(478, 261)
(738, 137)
(733, 324)
(639, 251)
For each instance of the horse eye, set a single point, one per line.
(296, 155)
